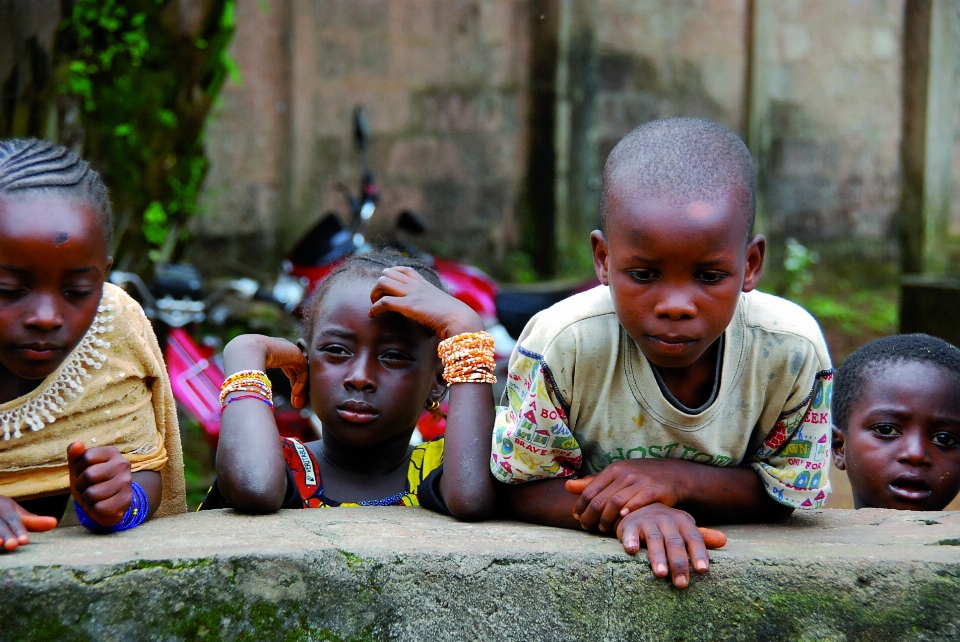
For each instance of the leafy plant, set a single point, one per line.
(145, 78)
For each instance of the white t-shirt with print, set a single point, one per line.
(581, 395)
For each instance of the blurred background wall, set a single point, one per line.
(492, 118)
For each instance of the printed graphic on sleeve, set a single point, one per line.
(794, 461)
(531, 437)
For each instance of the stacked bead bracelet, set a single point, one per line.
(254, 383)
(135, 515)
(468, 358)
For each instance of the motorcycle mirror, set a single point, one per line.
(361, 127)
(410, 222)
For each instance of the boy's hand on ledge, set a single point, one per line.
(620, 488)
(670, 535)
(100, 481)
(16, 522)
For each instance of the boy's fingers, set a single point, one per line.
(644, 496)
(577, 486)
(595, 488)
(713, 538)
(655, 551)
(630, 537)
(676, 549)
(695, 547)
(610, 515)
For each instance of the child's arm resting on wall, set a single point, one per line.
(789, 470)
(251, 468)
(466, 486)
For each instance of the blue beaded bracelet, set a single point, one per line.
(135, 515)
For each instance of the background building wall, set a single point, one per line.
(459, 123)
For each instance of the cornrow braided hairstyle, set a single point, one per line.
(369, 264)
(31, 165)
(876, 355)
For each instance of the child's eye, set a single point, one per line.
(335, 350)
(711, 277)
(78, 293)
(395, 355)
(945, 439)
(643, 276)
(12, 292)
(886, 430)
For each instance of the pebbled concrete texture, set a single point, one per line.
(407, 574)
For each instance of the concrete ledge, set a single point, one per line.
(407, 574)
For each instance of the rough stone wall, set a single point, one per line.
(450, 96)
(661, 59)
(443, 84)
(247, 136)
(835, 118)
(405, 574)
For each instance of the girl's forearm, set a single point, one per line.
(152, 483)
(545, 502)
(251, 469)
(467, 486)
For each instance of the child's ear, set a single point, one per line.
(839, 439)
(601, 256)
(756, 250)
(439, 386)
(304, 349)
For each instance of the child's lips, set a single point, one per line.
(38, 351)
(672, 344)
(357, 412)
(910, 489)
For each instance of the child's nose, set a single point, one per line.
(45, 314)
(360, 376)
(914, 449)
(675, 305)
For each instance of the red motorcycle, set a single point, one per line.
(176, 303)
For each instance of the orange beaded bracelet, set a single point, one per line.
(468, 358)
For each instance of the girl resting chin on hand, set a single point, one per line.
(368, 363)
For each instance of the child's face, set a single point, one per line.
(369, 378)
(902, 445)
(676, 273)
(53, 262)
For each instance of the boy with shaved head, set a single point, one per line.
(674, 392)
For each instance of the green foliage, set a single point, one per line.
(870, 310)
(145, 85)
(797, 266)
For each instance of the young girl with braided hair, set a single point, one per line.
(381, 342)
(85, 403)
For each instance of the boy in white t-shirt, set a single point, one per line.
(674, 390)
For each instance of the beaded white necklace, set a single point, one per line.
(45, 406)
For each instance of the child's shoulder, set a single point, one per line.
(587, 314)
(775, 315)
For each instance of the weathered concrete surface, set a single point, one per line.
(406, 574)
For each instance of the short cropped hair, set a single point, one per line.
(31, 165)
(369, 264)
(681, 160)
(876, 355)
